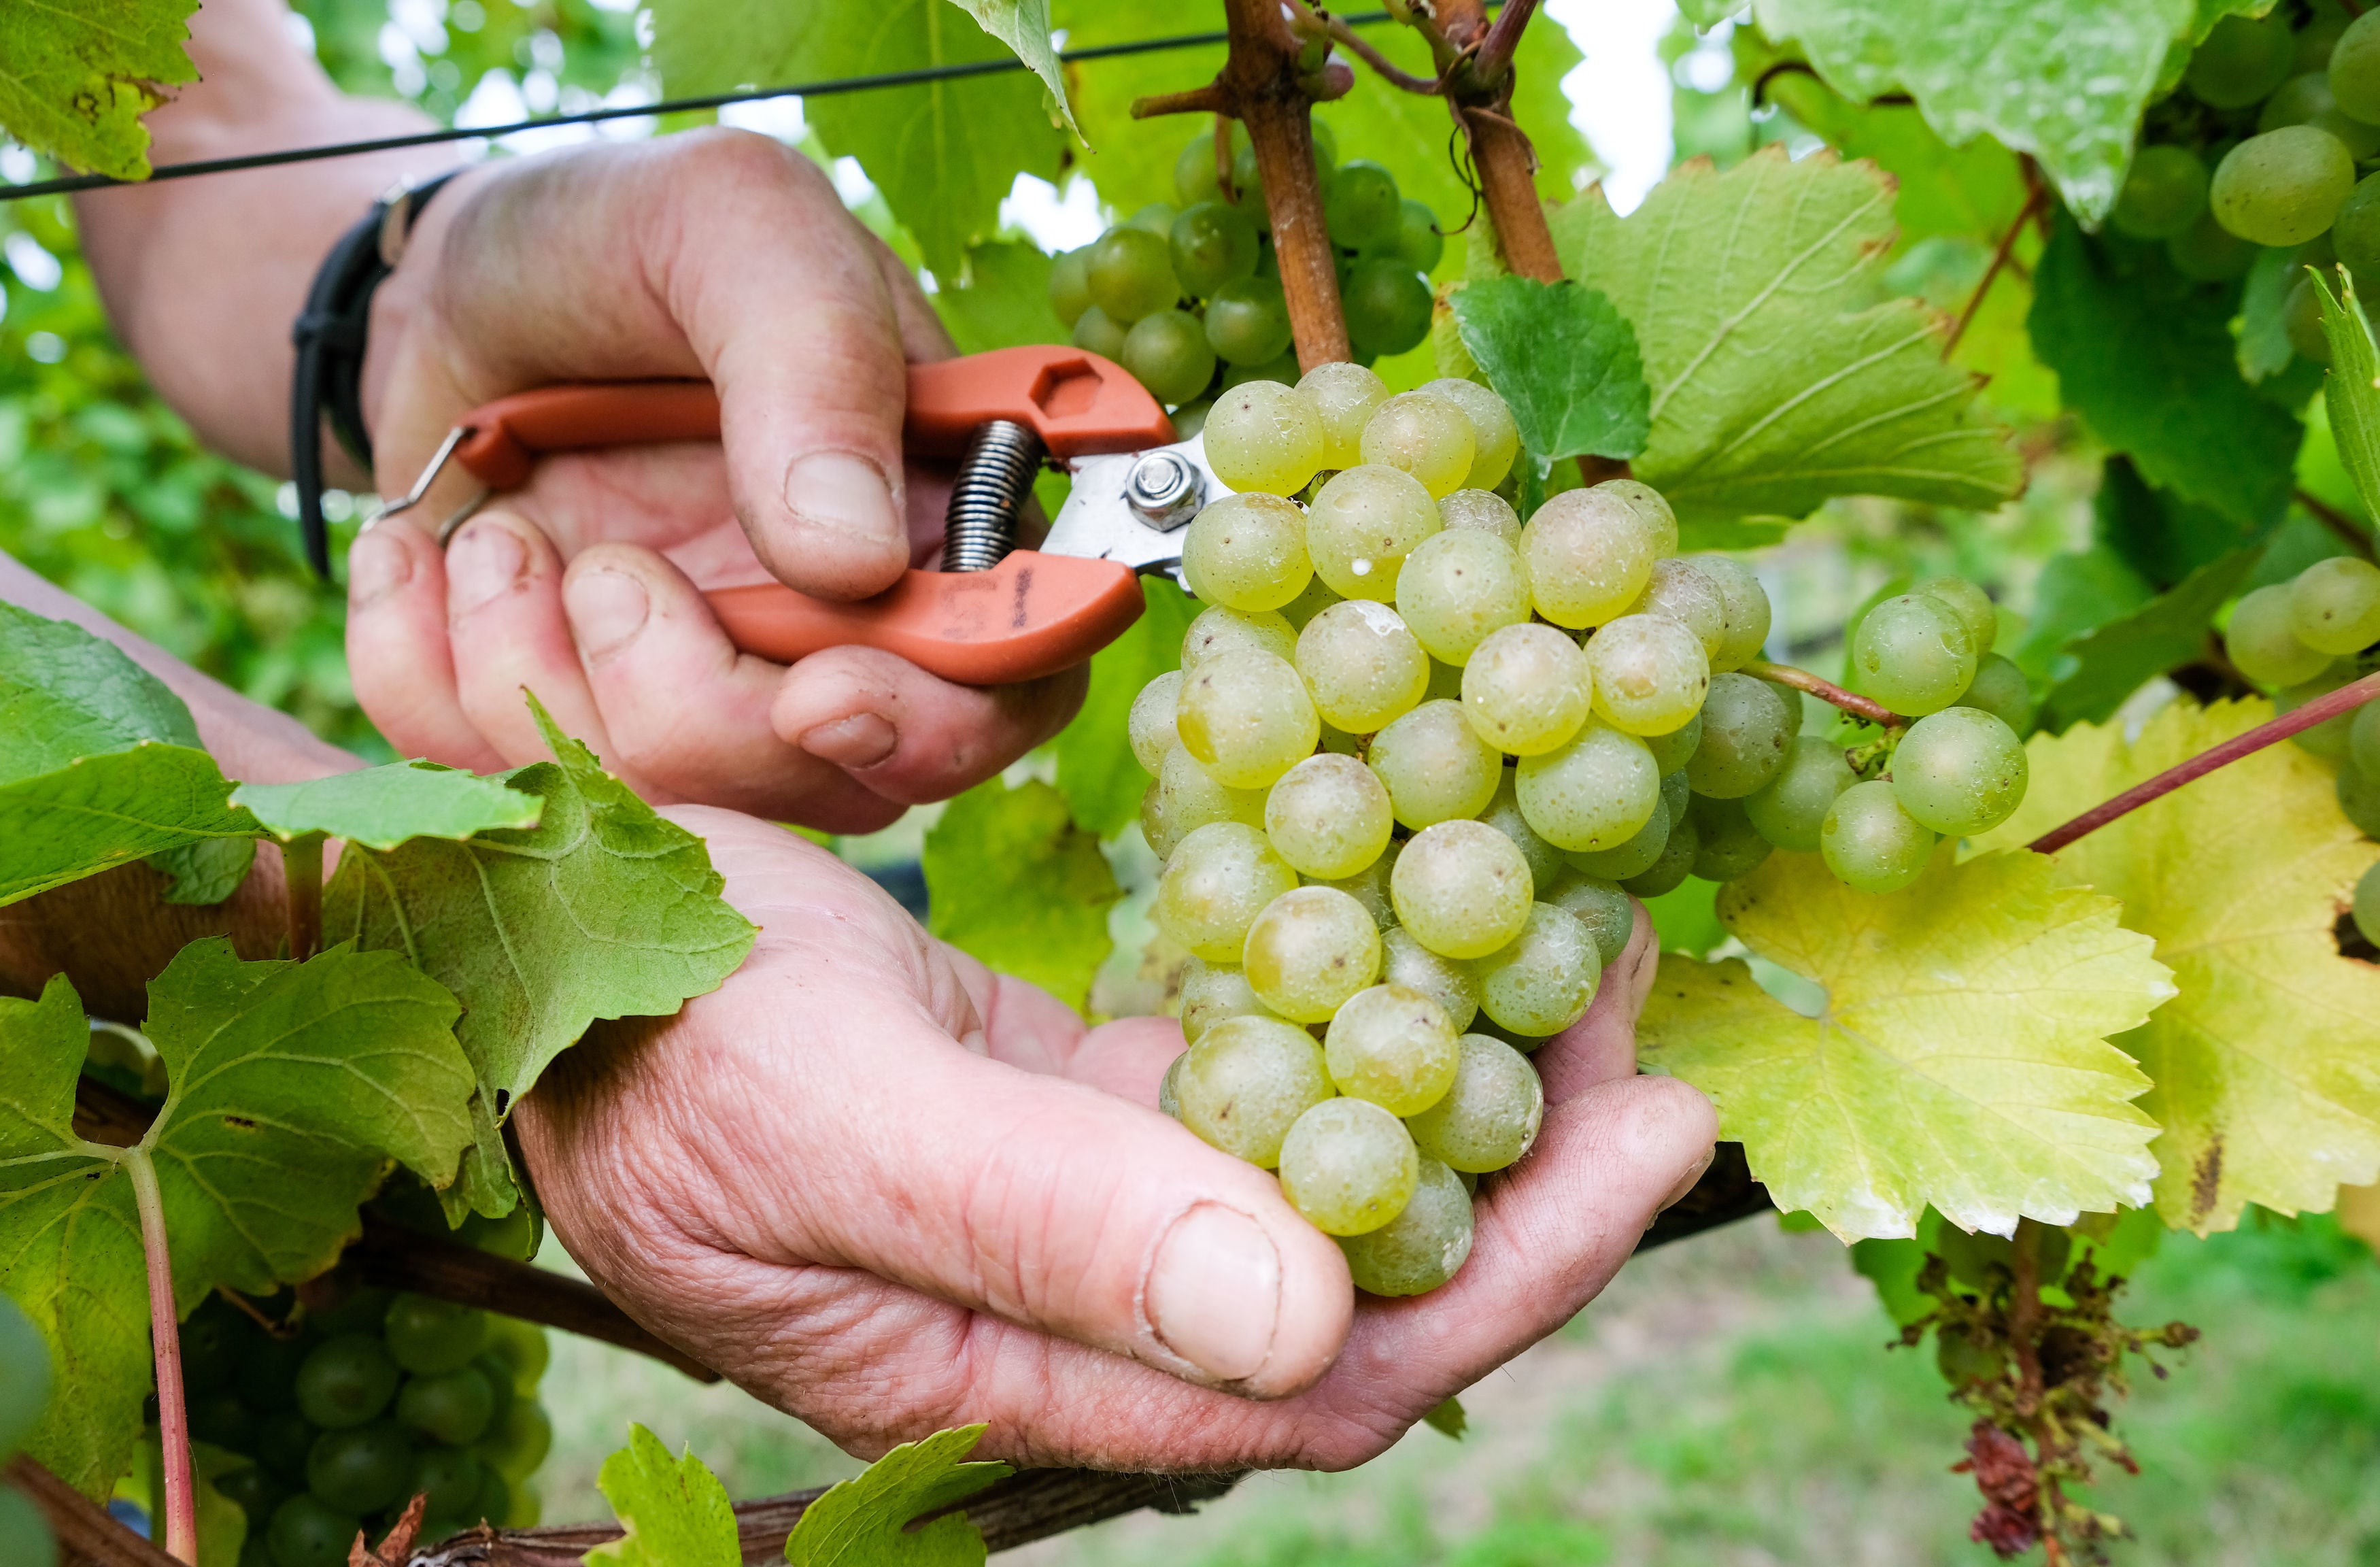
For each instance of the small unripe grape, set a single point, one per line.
(2000, 688)
(2359, 797)
(1457, 587)
(2308, 99)
(1149, 725)
(1186, 798)
(1195, 175)
(1393, 1046)
(1747, 724)
(1602, 908)
(1215, 885)
(1676, 860)
(1503, 813)
(2262, 639)
(1343, 395)
(2354, 69)
(1423, 1247)
(1435, 768)
(1462, 889)
(1673, 751)
(1262, 435)
(2333, 605)
(2241, 60)
(1246, 1081)
(1589, 553)
(1595, 793)
(1328, 816)
(1970, 605)
(1213, 991)
(1652, 505)
(1131, 275)
(1212, 243)
(1682, 592)
(1727, 845)
(2363, 739)
(1870, 843)
(1219, 630)
(1634, 857)
(1790, 807)
(1528, 690)
(1362, 665)
(2163, 195)
(1154, 217)
(1311, 948)
(1169, 1092)
(1913, 654)
(1960, 772)
(1450, 983)
(1247, 327)
(1748, 613)
(1363, 525)
(1070, 286)
(1426, 435)
(1677, 790)
(1650, 674)
(1100, 334)
(1419, 244)
(2366, 904)
(2333, 737)
(1247, 552)
(1484, 510)
(1543, 980)
(1496, 439)
(1360, 205)
(1348, 1166)
(2284, 187)
(1247, 717)
(1166, 351)
(1490, 1117)
(1369, 887)
(1387, 305)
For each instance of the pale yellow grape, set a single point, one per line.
(1970, 603)
(1369, 887)
(1394, 1046)
(1247, 552)
(2262, 639)
(1423, 1247)
(1543, 980)
(1528, 690)
(1300, 612)
(1446, 981)
(1652, 506)
(1496, 439)
(1675, 749)
(1217, 881)
(1263, 436)
(1503, 813)
(1311, 948)
(1435, 768)
(1149, 725)
(1247, 717)
(1168, 1098)
(1871, 842)
(1348, 1166)
(1457, 587)
(1603, 907)
(1490, 1116)
(1219, 630)
(1213, 991)
(1682, 590)
(1362, 665)
(1595, 793)
(1631, 859)
(1343, 395)
(1424, 434)
(1462, 889)
(1246, 1081)
(1482, 510)
(1328, 816)
(1589, 553)
(1748, 612)
(1186, 798)
(1650, 674)
(2333, 605)
(1362, 524)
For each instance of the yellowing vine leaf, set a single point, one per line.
(675, 1511)
(75, 76)
(1962, 1059)
(864, 1522)
(2267, 1062)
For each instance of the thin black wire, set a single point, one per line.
(71, 183)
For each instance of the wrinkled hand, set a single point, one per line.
(890, 1191)
(717, 254)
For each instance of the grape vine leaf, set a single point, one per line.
(1013, 881)
(2147, 358)
(292, 1088)
(1962, 1058)
(1102, 780)
(99, 812)
(1779, 376)
(2351, 390)
(1564, 362)
(382, 807)
(2077, 590)
(2115, 659)
(675, 1511)
(1975, 190)
(2267, 1062)
(1002, 299)
(2359, 1213)
(864, 1522)
(2159, 535)
(76, 78)
(2065, 81)
(1023, 26)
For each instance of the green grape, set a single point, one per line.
(1392, 1046)
(2307, 100)
(1913, 654)
(1211, 993)
(519, 1442)
(1154, 217)
(1166, 351)
(2262, 639)
(1650, 674)
(1149, 725)
(1328, 816)
(1168, 1093)
(1456, 588)
(428, 1336)
(1311, 948)
(2363, 739)
(1070, 286)
(2355, 233)
(1424, 434)
(1348, 1166)
(1263, 436)
(1362, 665)
(1963, 1360)
(1247, 179)
(1484, 510)
(1369, 887)
(1870, 843)
(496, 1502)
(1096, 333)
(1633, 858)
(1595, 793)
(1544, 979)
(2359, 797)
(1603, 907)
(1673, 751)
(1217, 881)
(1747, 611)
(282, 1441)
(1790, 808)
(2284, 187)
(2241, 61)
(1999, 689)
(1220, 630)
(25, 1537)
(25, 1378)
(1360, 206)
(1462, 889)
(362, 1469)
(220, 1419)
(2332, 738)
(1186, 798)
(1247, 717)
(1676, 861)
(1211, 244)
(2355, 70)
(1195, 174)
(267, 1379)
(2366, 906)
(1960, 772)
(1503, 813)
(1527, 688)
(1490, 1117)
(306, 1532)
(2302, 322)
(1246, 1082)
(254, 1489)
(2208, 252)
(1650, 504)
(1387, 304)
(452, 1481)
(1300, 612)
(454, 1408)
(1680, 590)
(1282, 371)
(1423, 1247)
(1495, 440)
(348, 1379)
(1970, 603)
(2316, 39)
(2163, 195)
(1131, 274)
(1190, 419)
(1727, 845)
(1677, 792)
(1589, 553)
(1248, 322)
(1748, 726)
(2335, 605)
(1247, 552)
(1452, 984)
(1418, 243)
(1435, 768)
(1343, 395)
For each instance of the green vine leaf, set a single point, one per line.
(1962, 1057)
(864, 1522)
(1000, 299)
(1097, 774)
(1564, 360)
(100, 812)
(78, 78)
(1013, 881)
(2267, 1062)
(1023, 26)
(675, 1511)
(2115, 659)
(2352, 386)
(382, 807)
(1779, 376)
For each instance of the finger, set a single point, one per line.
(509, 635)
(909, 735)
(1028, 1027)
(397, 653)
(1602, 1045)
(924, 338)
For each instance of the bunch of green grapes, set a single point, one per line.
(1188, 298)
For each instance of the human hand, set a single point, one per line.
(890, 1192)
(716, 254)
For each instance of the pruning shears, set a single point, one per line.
(993, 614)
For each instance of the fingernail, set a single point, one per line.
(861, 740)
(1213, 1294)
(1678, 1193)
(606, 608)
(843, 493)
(378, 566)
(482, 563)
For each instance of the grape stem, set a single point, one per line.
(164, 1333)
(2330, 704)
(301, 873)
(1825, 691)
(1475, 77)
(2001, 253)
(2350, 532)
